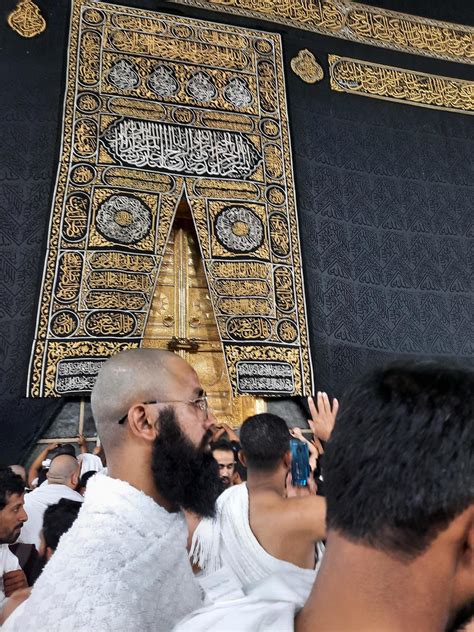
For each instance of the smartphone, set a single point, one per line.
(300, 469)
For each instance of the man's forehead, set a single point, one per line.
(185, 377)
(15, 499)
(226, 456)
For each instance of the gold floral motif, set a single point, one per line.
(306, 67)
(358, 22)
(404, 86)
(26, 19)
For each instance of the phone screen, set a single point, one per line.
(300, 469)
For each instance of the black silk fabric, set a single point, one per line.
(385, 200)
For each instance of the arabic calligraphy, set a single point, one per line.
(76, 214)
(359, 23)
(396, 84)
(181, 150)
(26, 19)
(157, 107)
(110, 323)
(259, 376)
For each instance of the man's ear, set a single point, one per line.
(140, 424)
(242, 459)
(468, 548)
(287, 459)
(49, 553)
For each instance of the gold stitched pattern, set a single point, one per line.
(158, 107)
(359, 23)
(26, 19)
(404, 86)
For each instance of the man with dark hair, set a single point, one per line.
(12, 518)
(123, 565)
(259, 533)
(399, 474)
(224, 454)
(57, 520)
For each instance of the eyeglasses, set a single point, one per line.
(200, 402)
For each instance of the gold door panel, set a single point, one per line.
(181, 317)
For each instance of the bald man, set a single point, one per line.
(61, 482)
(123, 565)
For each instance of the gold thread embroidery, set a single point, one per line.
(403, 86)
(26, 19)
(306, 67)
(359, 23)
(158, 106)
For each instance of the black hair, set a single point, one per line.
(399, 466)
(65, 448)
(42, 475)
(58, 519)
(265, 439)
(223, 444)
(85, 478)
(10, 483)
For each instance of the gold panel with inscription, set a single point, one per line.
(360, 23)
(401, 85)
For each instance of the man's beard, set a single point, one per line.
(12, 536)
(225, 482)
(461, 617)
(187, 476)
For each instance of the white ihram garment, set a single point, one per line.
(123, 566)
(36, 503)
(249, 588)
(8, 562)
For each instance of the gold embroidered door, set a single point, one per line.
(181, 318)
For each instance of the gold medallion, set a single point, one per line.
(306, 67)
(26, 19)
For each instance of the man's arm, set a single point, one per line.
(36, 465)
(306, 516)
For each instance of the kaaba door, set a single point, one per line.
(181, 318)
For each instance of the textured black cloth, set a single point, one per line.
(384, 194)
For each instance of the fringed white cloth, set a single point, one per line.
(269, 604)
(123, 566)
(227, 540)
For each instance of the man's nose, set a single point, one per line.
(23, 517)
(211, 419)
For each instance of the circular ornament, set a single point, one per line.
(64, 323)
(182, 30)
(183, 116)
(82, 174)
(287, 331)
(239, 229)
(269, 127)
(276, 195)
(87, 102)
(93, 16)
(124, 219)
(306, 67)
(263, 46)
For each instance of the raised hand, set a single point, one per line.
(323, 415)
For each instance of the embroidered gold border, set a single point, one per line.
(364, 78)
(97, 288)
(359, 23)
